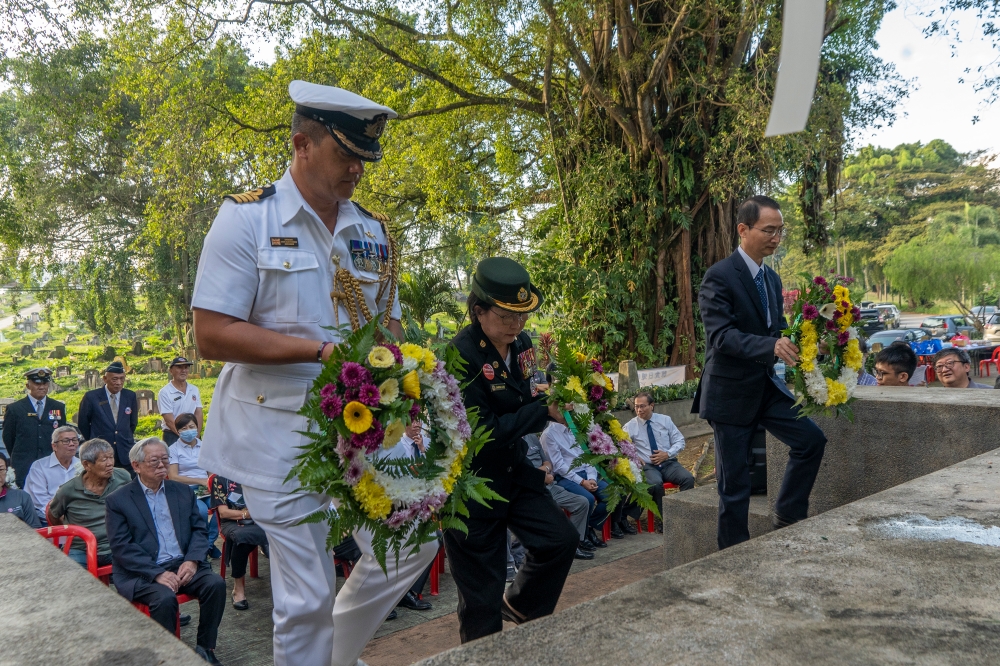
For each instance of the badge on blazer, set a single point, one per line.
(128, 410)
(488, 371)
(55, 424)
(498, 387)
(55, 413)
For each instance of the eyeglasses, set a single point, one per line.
(879, 374)
(156, 462)
(947, 364)
(772, 232)
(74, 440)
(510, 319)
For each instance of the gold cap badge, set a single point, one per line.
(522, 295)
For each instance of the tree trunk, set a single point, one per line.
(684, 336)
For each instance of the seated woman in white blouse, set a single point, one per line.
(184, 468)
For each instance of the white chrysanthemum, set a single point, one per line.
(636, 472)
(852, 333)
(580, 408)
(849, 378)
(409, 363)
(816, 386)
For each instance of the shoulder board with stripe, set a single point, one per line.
(375, 216)
(252, 196)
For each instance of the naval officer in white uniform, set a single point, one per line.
(279, 266)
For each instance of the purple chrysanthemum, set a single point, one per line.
(332, 406)
(328, 390)
(809, 312)
(594, 437)
(368, 395)
(628, 448)
(354, 469)
(596, 393)
(414, 411)
(856, 313)
(819, 280)
(370, 439)
(353, 375)
(831, 325)
(603, 406)
(464, 429)
(396, 354)
(596, 365)
(351, 394)
(842, 338)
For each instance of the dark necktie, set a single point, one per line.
(759, 281)
(417, 453)
(651, 436)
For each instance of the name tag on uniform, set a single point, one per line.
(284, 241)
(498, 387)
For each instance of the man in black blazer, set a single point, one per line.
(158, 545)
(111, 413)
(741, 307)
(29, 422)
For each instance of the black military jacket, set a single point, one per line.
(27, 437)
(507, 407)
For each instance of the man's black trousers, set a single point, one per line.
(479, 562)
(207, 586)
(733, 452)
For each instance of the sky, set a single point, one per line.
(938, 107)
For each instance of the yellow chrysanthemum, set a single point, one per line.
(836, 393)
(454, 471)
(380, 357)
(841, 293)
(357, 417)
(393, 433)
(808, 347)
(411, 385)
(616, 431)
(372, 497)
(608, 384)
(574, 384)
(622, 468)
(410, 350)
(429, 361)
(853, 356)
(581, 358)
(388, 391)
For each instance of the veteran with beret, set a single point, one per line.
(501, 366)
(111, 413)
(29, 422)
(282, 268)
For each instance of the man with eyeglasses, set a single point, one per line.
(895, 365)
(952, 367)
(741, 308)
(47, 474)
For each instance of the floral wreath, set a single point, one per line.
(824, 329)
(361, 402)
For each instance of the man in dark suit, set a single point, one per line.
(158, 545)
(111, 413)
(741, 308)
(29, 422)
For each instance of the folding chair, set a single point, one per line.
(181, 599)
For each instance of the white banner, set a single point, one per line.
(666, 376)
(801, 41)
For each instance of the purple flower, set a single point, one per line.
(397, 518)
(396, 354)
(351, 394)
(353, 375)
(331, 406)
(594, 437)
(596, 365)
(819, 280)
(354, 469)
(856, 313)
(603, 406)
(328, 390)
(842, 338)
(414, 411)
(345, 449)
(368, 395)
(371, 439)
(596, 393)
(628, 448)
(464, 429)
(809, 312)
(831, 325)
(832, 271)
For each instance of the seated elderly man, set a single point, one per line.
(952, 366)
(14, 501)
(576, 506)
(158, 544)
(46, 474)
(80, 501)
(657, 441)
(895, 365)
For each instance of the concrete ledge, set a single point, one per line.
(827, 591)
(689, 524)
(54, 612)
(898, 434)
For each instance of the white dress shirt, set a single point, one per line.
(754, 269)
(562, 449)
(405, 448)
(44, 478)
(668, 437)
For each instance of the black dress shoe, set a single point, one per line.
(241, 605)
(595, 540)
(583, 554)
(392, 616)
(185, 619)
(207, 655)
(627, 527)
(616, 532)
(413, 602)
(585, 545)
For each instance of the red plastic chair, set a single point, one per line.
(437, 568)
(225, 542)
(985, 363)
(650, 518)
(181, 599)
(102, 574)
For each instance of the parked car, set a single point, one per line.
(889, 313)
(886, 338)
(992, 329)
(945, 327)
(871, 321)
(983, 312)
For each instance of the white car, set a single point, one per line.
(991, 331)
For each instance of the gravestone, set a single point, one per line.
(91, 380)
(35, 317)
(38, 343)
(628, 377)
(59, 352)
(156, 365)
(69, 338)
(137, 349)
(26, 351)
(94, 341)
(147, 402)
(108, 354)
(44, 337)
(63, 371)
(3, 405)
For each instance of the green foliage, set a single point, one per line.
(946, 266)
(682, 391)
(425, 291)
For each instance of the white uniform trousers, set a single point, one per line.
(309, 628)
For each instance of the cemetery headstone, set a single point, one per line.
(137, 347)
(26, 351)
(91, 380)
(63, 371)
(69, 338)
(108, 354)
(156, 365)
(59, 352)
(38, 343)
(147, 402)
(94, 341)
(628, 377)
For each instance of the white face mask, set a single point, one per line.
(188, 435)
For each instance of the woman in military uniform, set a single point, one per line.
(501, 366)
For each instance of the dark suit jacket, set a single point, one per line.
(96, 421)
(132, 533)
(26, 437)
(506, 407)
(739, 345)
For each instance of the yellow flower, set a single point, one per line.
(393, 433)
(357, 417)
(454, 471)
(841, 293)
(574, 384)
(580, 357)
(411, 385)
(429, 361)
(808, 346)
(380, 357)
(608, 384)
(410, 350)
(616, 431)
(372, 497)
(836, 392)
(853, 356)
(622, 468)
(388, 391)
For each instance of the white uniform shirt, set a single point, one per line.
(171, 400)
(562, 449)
(668, 437)
(44, 478)
(272, 263)
(186, 459)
